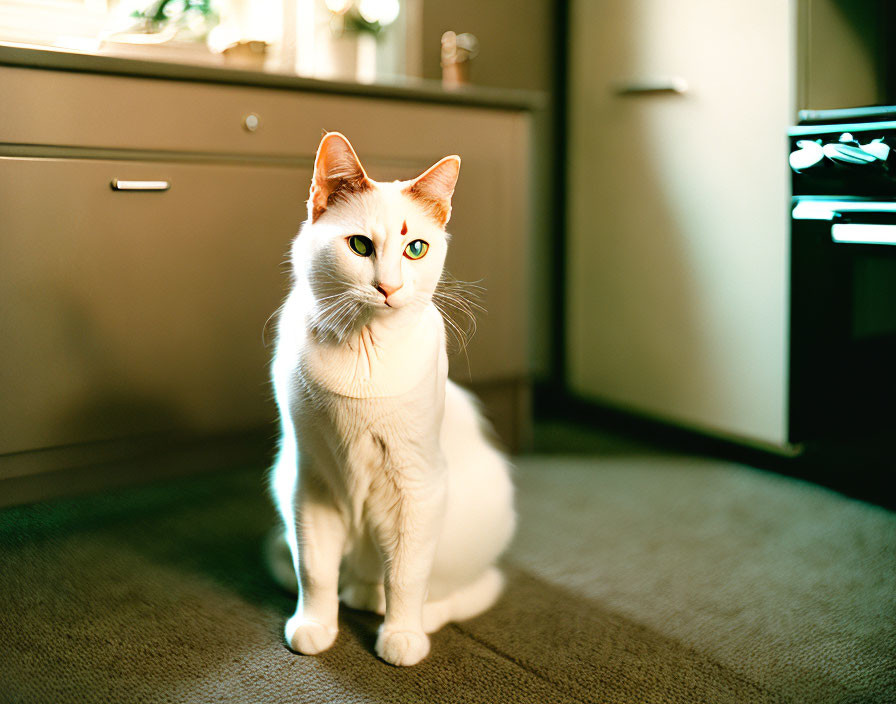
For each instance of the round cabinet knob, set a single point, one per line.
(251, 122)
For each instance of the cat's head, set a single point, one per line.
(371, 248)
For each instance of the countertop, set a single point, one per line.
(405, 89)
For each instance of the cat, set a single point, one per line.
(392, 497)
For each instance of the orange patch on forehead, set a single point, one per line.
(404, 227)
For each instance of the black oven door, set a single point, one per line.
(843, 321)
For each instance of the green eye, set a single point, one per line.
(360, 245)
(416, 249)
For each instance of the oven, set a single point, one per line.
(842, 387)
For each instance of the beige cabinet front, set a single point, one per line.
(678, 216)
(132, 312)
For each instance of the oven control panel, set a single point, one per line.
(845, 150)
(845, 159)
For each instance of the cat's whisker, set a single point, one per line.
(264, 327)
(465, 300)
(461, 336)
(459, 299)
(334, 307)
(343, 317)
(323, 313)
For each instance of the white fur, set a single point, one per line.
(392, 497)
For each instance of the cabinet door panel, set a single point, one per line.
(134, 312)
(679, 211)
(126, 313)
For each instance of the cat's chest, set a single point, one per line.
(359, 437)
(378, 362)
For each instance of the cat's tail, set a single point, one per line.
(465, 603)
(278, 560)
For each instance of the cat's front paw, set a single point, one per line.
(402, 647)
(308, 637)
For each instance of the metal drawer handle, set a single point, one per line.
(652, 86)
(864, 234)
(120, 185)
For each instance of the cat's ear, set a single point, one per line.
(337, 173)
(435, 186)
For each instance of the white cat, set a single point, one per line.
(392, 497)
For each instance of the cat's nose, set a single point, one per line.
(387, 289)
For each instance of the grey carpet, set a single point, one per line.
(634, 578)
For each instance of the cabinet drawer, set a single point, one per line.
(131, 312)
(41, 107)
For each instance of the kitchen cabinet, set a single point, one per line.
(130, 314)
(136, 312)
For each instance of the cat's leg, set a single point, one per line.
(408, 532)
(320, 532)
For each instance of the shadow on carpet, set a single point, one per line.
(158, 594)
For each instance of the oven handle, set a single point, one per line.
(829, 209)
(863, 233)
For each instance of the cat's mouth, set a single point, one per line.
(388, 303)
(383, 303)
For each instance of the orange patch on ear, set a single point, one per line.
(318, 203)
(323, 197)
(338, 174)
(434, 187)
